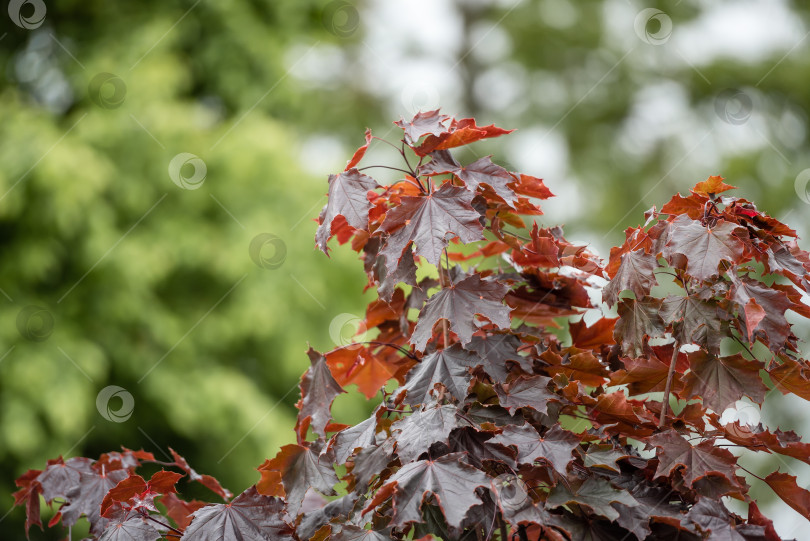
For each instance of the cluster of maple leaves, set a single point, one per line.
(500, 418)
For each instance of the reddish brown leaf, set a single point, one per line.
(636, 273)
(360, 152)
(697, 461)
(205, 480)
(595, 336)
(299, 469)
(458, 304)
(427, 123)
(786, 488)
(712, 186)
(721, 381)
(348, 198)
(358, 366)
(531, 186)
(448, 479)
(318, 391)
(554, 447)
(180, 511)
(526, 392)
(430, 221)
(703, 247)
(791, 377)
(249, 517)
(638, 321)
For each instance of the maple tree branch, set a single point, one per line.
(442, 280)
(502, 527)
(668, 386)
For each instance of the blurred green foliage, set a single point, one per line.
(151, 287)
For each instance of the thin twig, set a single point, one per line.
(668, 386)
(384, 167)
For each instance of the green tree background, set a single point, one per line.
(198, 299)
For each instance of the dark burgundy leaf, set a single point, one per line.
(481, 171)
(129, 526)
(771, 304)
(299, 469)
(430, 221)
(429, 122)
(318, 391)
(497, 352)
(704, 247)
(595, 493)
(458, 304)
(86, 500)
(348, 197)
(554, 447)
(700, 460)
(371, 461)
(795, 496)
(60, 479)
(419, 430)
(249, 517)
(523, 392)
(713, 518)
(721, 381)
(636, 273)
(205, 480)
(449, 367)
(638, 320)
(339, 508)
(695, 321)
(448, 479)
(363, 434)
(355, 533)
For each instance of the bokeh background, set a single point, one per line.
(162, 162)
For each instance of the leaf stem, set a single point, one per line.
(384, 167)
(668, 387)
(146, 515)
